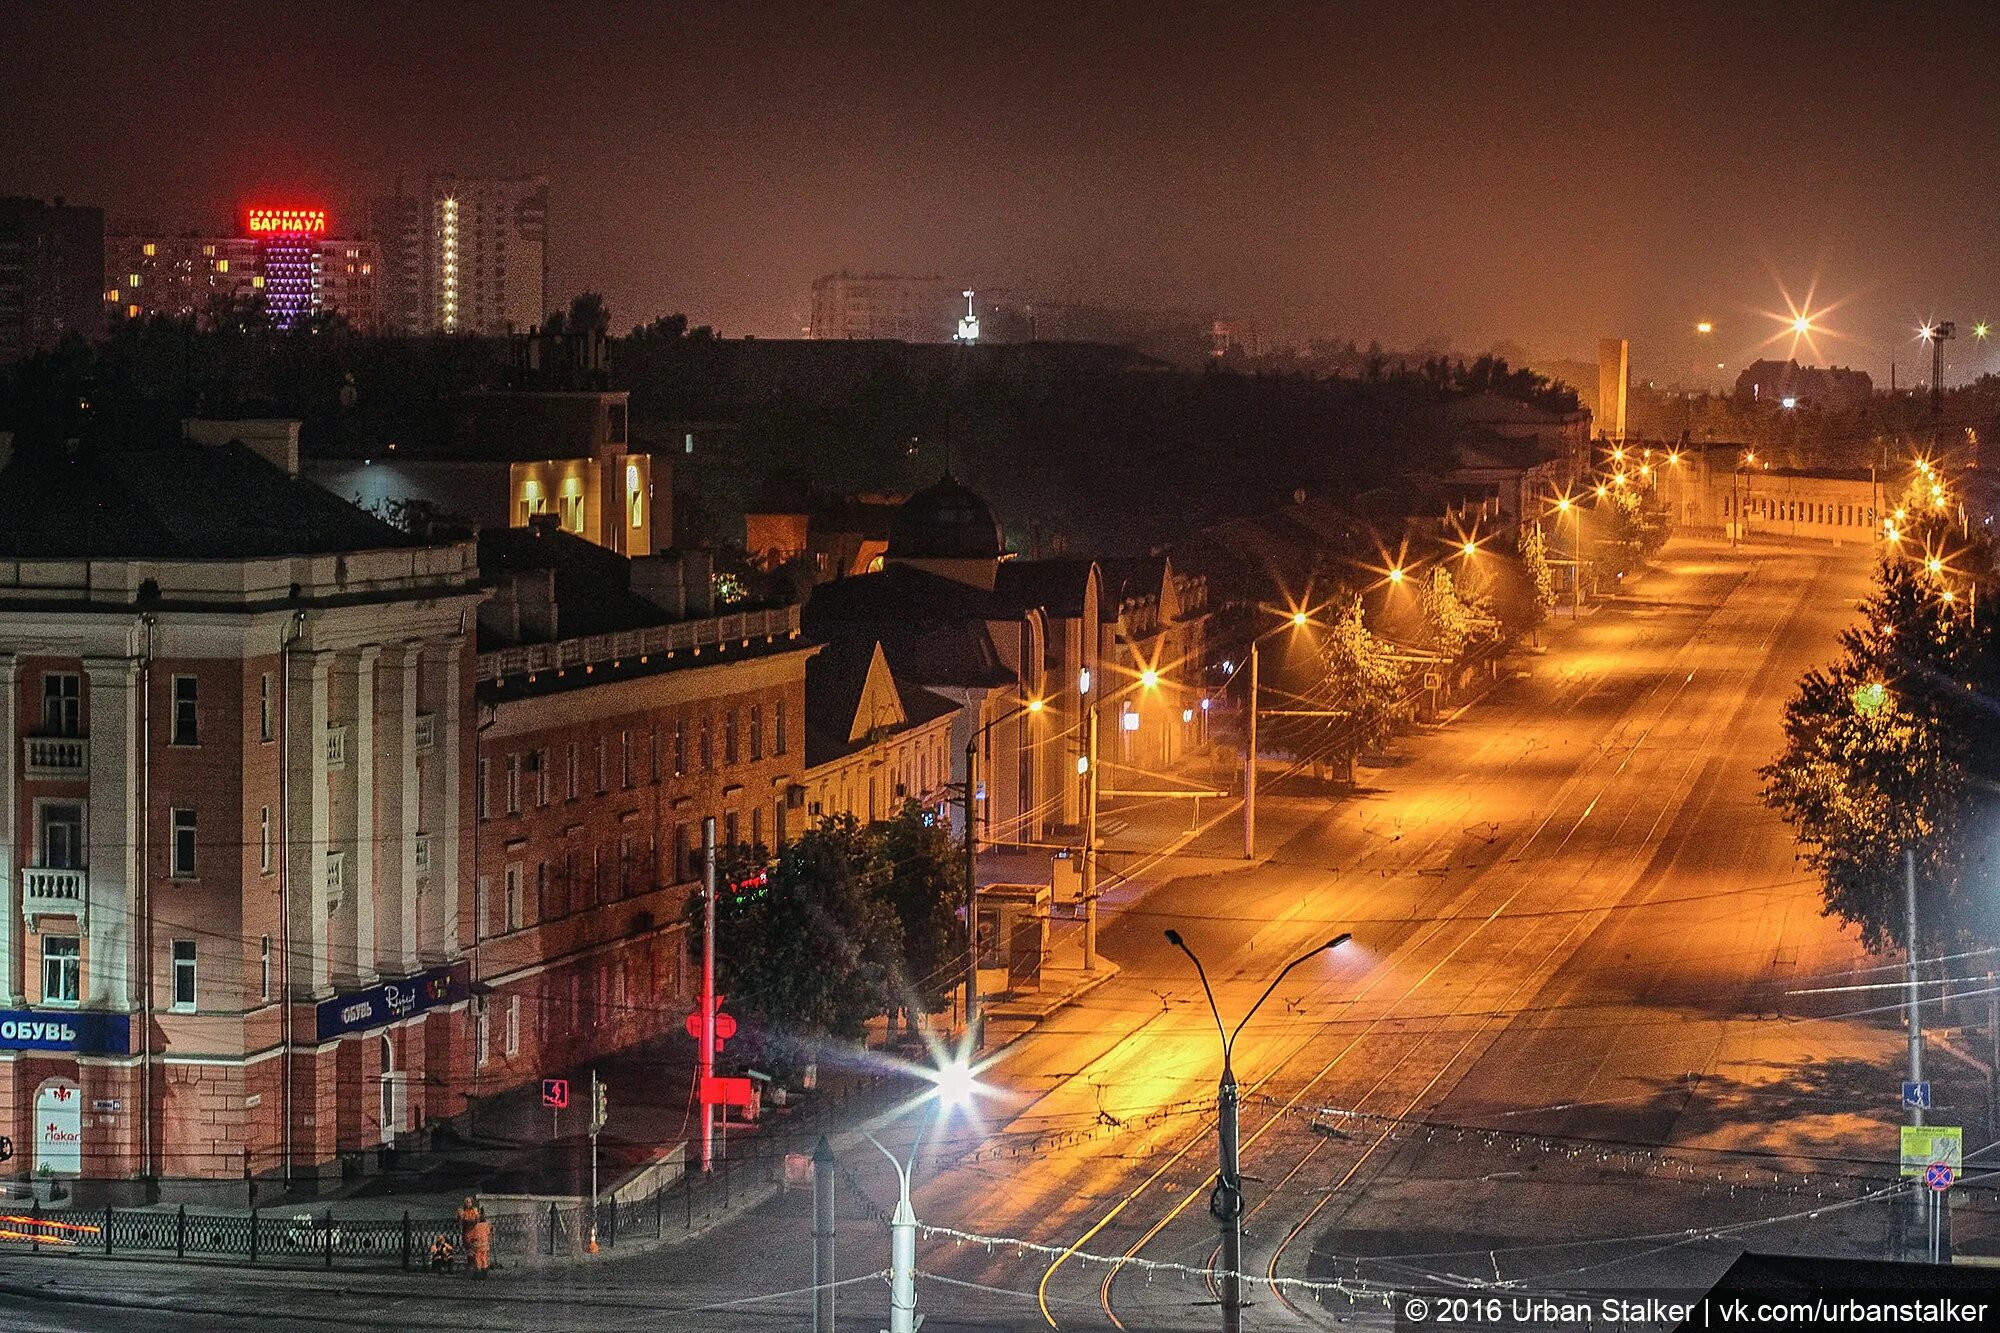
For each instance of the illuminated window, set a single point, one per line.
(208, 252)
(131, 280)
(222, 266)
(258, 282)
(149, 249)
(112, 296)
(131, 312)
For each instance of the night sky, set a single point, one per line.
(1527, 173)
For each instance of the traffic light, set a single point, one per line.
(600, 1108)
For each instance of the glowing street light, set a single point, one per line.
(1036, 705)
(1300, 619)
(1471, 548)
(1979, 329)
(1396, 575)
(1705, 326)
(1149, 678)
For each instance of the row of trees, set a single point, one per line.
(847, 923)
(1895, 746)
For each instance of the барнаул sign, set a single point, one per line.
(81, 1031)
(392, 1001)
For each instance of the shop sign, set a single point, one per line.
(393, 1001)
(84, 1032)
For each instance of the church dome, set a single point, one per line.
(944, 521)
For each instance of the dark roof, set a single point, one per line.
(835, 677)
(181, 501)
(945, 521)
(1058, 585)
(1510, 451)
(1130, 576)
(593, 585)
(932, 629)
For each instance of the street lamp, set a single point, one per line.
(1031, 707)
(1297, 620)
(953, 1086)
(1226, 1203)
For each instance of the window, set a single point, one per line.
(513, 784)
(512, 887)
(756, 731)
(184, 992)
(183, 843)
(575, 771)
(264, 706)
(684, 866)
(731, 827)
(62, 835)
(62, 704)
(513, 1025)
(624, 864)
(185, 731)
(653, 751)
(336, 881)
(479, 788)
(625, 759)
(62, 969)
(264, 967)
(781, 719)
(264, 839)
(540, 763)
(729, 741)
(707, 746)
(485, 1039)
(481, 891)
(757, 827)
(680, 747)
(541, 890)
(600, 766)
(779, 825)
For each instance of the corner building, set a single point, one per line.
(236, 755)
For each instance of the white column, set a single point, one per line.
(115, 823)
(10, 872)
(310, 815)
(398, 813)
(450, 764)
(361, 759)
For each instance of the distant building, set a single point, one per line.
(284, 258)
(51, 271)
(849, 306)
(1614, 382)
(395, 222)
(486, 252)
(1788, 384)
(1232, 337)
(872, 742)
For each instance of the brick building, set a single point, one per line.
(617, 708)
(235, 760)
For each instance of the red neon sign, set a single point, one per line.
(286, 221)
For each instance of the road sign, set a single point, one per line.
(725, 1027)
(6, 1148)
(727, 1092)
(1926, 1145)
(1938, 1176)
(555, 1093)
(1917, 1095)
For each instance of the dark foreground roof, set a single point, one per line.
(835, 677)
(932, 629)
(182, 501)
(593, 585)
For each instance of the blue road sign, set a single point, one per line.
(1917, 1095)
(1938, 1175)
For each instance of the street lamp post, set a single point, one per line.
(955, 1084)
(1226, 1203)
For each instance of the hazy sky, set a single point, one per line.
(1536, 173)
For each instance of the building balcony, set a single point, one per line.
(61, 757)
(48, 891)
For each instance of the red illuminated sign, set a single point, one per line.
(286, 221)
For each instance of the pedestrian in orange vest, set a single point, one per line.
(479, 1237)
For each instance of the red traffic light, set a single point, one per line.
(725, 1027)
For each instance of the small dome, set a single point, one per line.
(944, 521)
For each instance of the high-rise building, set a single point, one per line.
(51, 262)
(395, 223)
(283, 258)
(883, 305)
(487, 252)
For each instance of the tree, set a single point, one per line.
(1447, 625)
(1535, 558)
(914, 868)
(588, 314)
(1890, 749)
(1364, 683)
(802, 946)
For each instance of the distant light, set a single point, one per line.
(1300, 619)
(1083, 681)
(1149, 678)
(1395, 576)
(1228, 668)
(1187, 714)
(1934, 565)
(1602, 490)
(1926, 332)
(1705, 326)
(1789, 403)
(1563, 504)
(1204, 705)
(1131, 720)
(1082, 764)
(1618, 480)
(1870, 697)
(1470, 548)
(1802, 325)
(1979, 330)
(1949, 595)
(1036, 705)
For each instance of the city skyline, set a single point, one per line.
(716, 165)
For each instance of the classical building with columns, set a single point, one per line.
(237, 759)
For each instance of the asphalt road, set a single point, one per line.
(1559, 1044)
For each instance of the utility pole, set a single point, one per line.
(1250, 763)
(822, 1160)
(705, 1066)
(1090, 840)
(1225, 1205)
(1924, 1200)
(599, 1112)
(902, 1247)
(971, 898)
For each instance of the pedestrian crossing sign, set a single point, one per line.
(1925, 1144)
